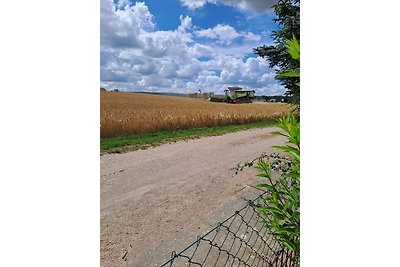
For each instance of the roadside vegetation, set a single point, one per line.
(126, 143)
(132, 113)
(282, 201)
(282, 205)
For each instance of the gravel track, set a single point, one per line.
(157, 200)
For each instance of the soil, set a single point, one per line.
(158, 200)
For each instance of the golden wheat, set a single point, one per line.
(130, 113)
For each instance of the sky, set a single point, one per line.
(184, 46)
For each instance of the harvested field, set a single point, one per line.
(131, 113)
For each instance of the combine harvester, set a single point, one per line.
(235, 95)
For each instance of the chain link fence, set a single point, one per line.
(240, 240)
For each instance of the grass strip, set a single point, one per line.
(126, 143)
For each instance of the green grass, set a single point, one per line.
(125, 143)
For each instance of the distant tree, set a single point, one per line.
(278, 98)
(103, 89)
(115, 90)
(288, 20)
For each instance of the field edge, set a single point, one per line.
(127, 143)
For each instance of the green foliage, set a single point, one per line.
(283, 199)
(292, 127)
(293, 48)
(289, 74)
(288, 20)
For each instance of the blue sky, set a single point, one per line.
(186, 45)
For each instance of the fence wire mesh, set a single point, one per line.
(240, 240)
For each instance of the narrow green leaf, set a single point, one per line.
(289, 74)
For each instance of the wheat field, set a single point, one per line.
(131, 113)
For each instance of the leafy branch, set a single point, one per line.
(282, 205)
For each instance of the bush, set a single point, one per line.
(283, 197)
(283, 201)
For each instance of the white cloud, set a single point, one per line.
(148, 68)
(186, 23)
(122, 3)
(121, 27)
(223, 33)
(155, 81)
(168, 69)
(257, 6)
(200, 50)
(193, 4)
(136, 57)
(251, 36)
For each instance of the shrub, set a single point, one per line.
(283, 201)
(283, 198)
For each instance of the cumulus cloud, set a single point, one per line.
(164, 43)
(122, 3)
(136, 57)
(193, 4)
(186, 23)
(257, 6)
(200, 50)
(252, 37)
(225, 34)
(121, 27)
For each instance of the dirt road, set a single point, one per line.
(157, 200)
